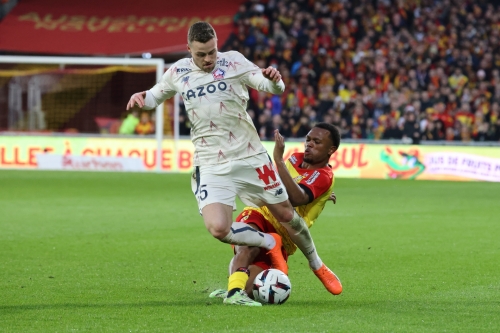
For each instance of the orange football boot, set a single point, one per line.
(276, 256)
(329, 279)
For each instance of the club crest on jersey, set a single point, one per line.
(219, 74)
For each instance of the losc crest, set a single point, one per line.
(218, 74)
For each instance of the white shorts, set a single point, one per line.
(253, 179)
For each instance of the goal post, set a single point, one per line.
(16, 67)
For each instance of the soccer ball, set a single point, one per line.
(271, 286)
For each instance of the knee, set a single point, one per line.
(217, 231)
(285, 215)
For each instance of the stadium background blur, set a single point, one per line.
(106, 251)
(412, 70)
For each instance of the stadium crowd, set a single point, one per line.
(412, 69)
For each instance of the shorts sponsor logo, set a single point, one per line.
(313, 178)
(272, 186)
(266, 172)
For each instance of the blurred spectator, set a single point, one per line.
(303, 127)
(184, 124)
(411, 128)
(430, 132)
(393, 131)
(423, 70)
(128, 125)
(145, 125)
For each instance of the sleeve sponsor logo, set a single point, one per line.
(313, 178)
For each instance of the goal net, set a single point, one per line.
(76, 95)
(80, 96)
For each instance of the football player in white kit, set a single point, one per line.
(229, 158)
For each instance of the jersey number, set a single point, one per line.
(203, 192)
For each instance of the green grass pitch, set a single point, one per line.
(111, 252)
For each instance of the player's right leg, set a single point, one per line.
(214, 192)
(218, 221)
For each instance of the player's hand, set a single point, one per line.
(279, 146)
(272, 74)
(332, 197)
(136, 99)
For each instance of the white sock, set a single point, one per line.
(241, 234)
(300, 235)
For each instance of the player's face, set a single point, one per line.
(318, 146)
(204, 54)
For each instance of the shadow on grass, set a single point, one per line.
(97, 306)
(177, 303)
(378, 306)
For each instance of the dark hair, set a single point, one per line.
(201, 32)
(334, 132)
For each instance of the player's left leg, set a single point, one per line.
(239, 271)
(298, 231)
(244, 256)
(236, 294)
(254, 271)
(300, 235)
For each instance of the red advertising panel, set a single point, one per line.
(110, 27)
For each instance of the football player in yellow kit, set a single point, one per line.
(309, 181)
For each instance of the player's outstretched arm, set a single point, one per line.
(267, 79)
(146, 99)
(296, 194)
(271, 74)
(150, 99)
(137, 99)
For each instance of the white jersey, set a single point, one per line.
(216, 105)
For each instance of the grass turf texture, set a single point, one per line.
(128, 252)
